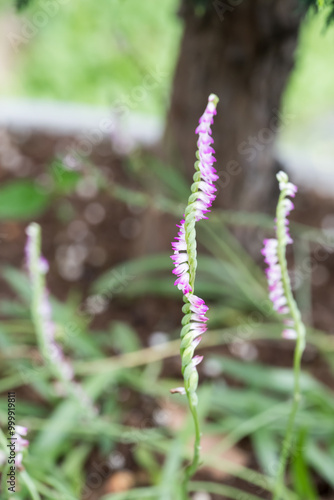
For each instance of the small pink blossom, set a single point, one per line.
(20, 444)
(289, 333)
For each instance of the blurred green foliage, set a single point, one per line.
(100, 52)
(22, 199)
(310, 92)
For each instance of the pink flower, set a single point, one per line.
(20, 444)
(178, 390)
(183, 283)
(274, 276)
(198, 319)
(289, 333)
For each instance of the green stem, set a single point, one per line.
(190, 235)
(299, 349)
(192, 403)
(37, 285)
(192, 468)
(289, 430)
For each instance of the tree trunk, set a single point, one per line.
(243, 51)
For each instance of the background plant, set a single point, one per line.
(256, 409)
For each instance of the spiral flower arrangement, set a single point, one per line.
(271, 249)
(185, 262)
(281, 295)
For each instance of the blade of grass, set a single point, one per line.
(222, 489)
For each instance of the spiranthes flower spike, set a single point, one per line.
(274, 252)
(185, 262)
(41, 312)
(281, 295)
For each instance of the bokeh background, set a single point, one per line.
(99, 103)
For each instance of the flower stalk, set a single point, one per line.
(185, 261)
(280, 293)
(42, 319)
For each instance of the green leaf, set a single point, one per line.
(171, 178)
(300, 474)
(30, 485)
(12, 308)
(22, 200)
(54, 435)
(266, 450)
(265, 377)
(65, 180)
(6, 340)
(146, 460)
(116, 280)
(73, 465)
(321, 461)
(18, 281)
(124, 338)
(21, 4)
(170, 470)
(135, 494)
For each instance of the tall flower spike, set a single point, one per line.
(271, 249)
(184, 246)
(185, 262)
(42, 318)
(280, 293)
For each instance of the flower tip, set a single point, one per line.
(197, 360)
(282, 177)
(32, 229)
(214, 98)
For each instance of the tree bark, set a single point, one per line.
(243, 51)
